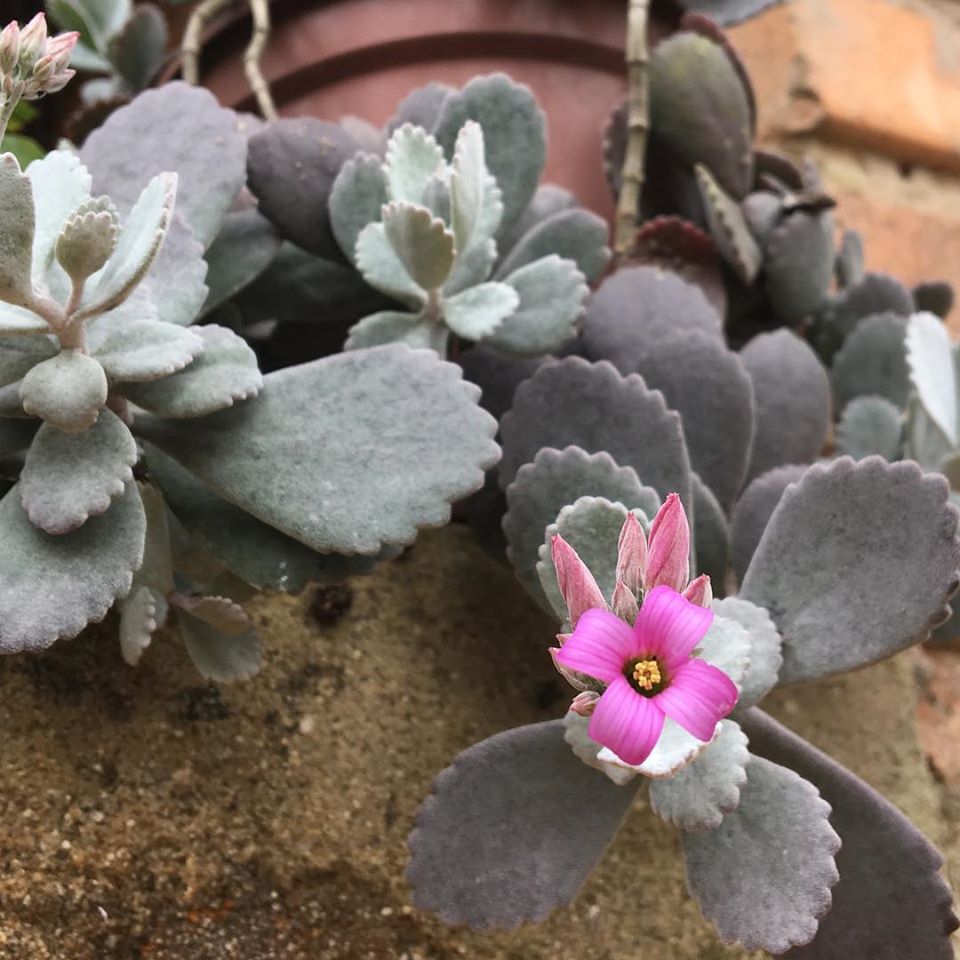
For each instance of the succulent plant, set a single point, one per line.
(434, 225)
(149, 462)
(784, 849)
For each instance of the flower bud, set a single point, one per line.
(9, 47)
(585, 703)
(33, 43)
(668, 556)
(577, 584)
(625, 604)
(631, 554)
(700, 591)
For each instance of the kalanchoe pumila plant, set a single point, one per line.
(133, 441)
(447, 193)
(516, 824)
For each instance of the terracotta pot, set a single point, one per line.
(330, 59)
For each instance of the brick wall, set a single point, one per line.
(870, 90)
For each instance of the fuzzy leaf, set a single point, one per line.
(469, 185)
(222, 614)
(292, 166)
(19, 354)
(572, 402)
(512, 829)
(870, 425)
(934, 296)
(765, 658)
(700, 108)
(257, 553)
(637, 306)
(139, 350)
(856, 562)
(872, 360)
(753, 512)
(925, 442)
(68, 478)
(244, 248)
(220, 656)
(20, 321)
(138, 244)
(86, 242)
(159, 131)
(478, 312)
(592, 527)
(421, 241)
(873, 293)
(92, 566)
(551, 292)
(547, 201)
(383, 268)
(67, 391)
(224, 373)
(336, 422)
(412, 158)
(577, 235)
(729, 228)
(764, 875)
(708, 386)
(157, 568)
(421, 107)
(703, 792)
(17, 221)
(890, 903)
(137, 51)
(849, 267)
(711, 536)
(60, 184)
(175, 283)
(933, 371)
(726, 645)
(396, 326)
(554, 480)
(142, 613)
(514, 135)
(798, 265)
(356, 198)
(497, 375)
(790, 386)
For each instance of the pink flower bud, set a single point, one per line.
(631, 553)
(700, 591)
(9, 47)
(61, 46)
(33, 42)
(577, 584)
(668, 555)
(625, 604)
(584, 703)
(572, 678)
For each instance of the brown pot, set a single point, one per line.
(360, 57)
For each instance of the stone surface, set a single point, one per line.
(148, 815)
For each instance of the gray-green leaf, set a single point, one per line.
(68, 478)
(86, 571)
(17, 221)
(67, 391)
(477, 312)
(223, 374)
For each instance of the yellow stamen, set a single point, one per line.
(646, 673)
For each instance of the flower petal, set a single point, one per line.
(670, 626)
(626, 722)
(668, 548)
(599, 647)
(698, 697)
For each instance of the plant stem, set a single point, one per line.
(260, 11)
(7, 106)
(638, 123)
(193, 37)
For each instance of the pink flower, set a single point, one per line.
(668, 556)
(650, 673)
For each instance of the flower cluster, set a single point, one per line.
(637, 664)
(31, 63)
